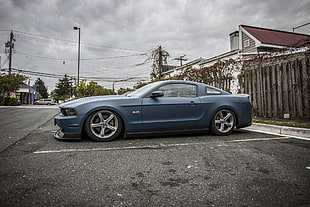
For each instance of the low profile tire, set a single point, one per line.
(104, 125)
(223, 122)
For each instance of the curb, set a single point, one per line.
(281, 130)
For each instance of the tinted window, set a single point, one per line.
(212, 91)
(179, 90)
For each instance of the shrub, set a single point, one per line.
(10, 101)
(1, 100)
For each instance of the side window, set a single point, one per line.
(212, 91)
(179, 90)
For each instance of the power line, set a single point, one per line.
(47, 39)
(52, 75)
(43, 74)
(84, 59)
(68, 43)
(300, 26)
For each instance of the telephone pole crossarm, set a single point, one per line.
(181, 59)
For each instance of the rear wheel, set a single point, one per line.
(223, 123)
(104, 125)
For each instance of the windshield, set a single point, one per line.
(141, 91)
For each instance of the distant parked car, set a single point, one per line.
(166, 106)
(45, 102)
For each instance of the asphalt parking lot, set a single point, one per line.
(244, 169)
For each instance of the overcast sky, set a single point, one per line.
(117, 36)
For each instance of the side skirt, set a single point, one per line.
(167, 132)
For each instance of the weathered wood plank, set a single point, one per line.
(298, 88)
(274, 91)
(285, 88)
(305, 86)
(268, 92)
(293, 99)
(253, 81)
(279, 87)
(259, 89)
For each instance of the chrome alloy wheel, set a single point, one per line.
(103, 125)
(223, 122)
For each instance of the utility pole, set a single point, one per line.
(11, 45)
(181, 58)
(160, 60)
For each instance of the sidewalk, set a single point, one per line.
(280, 130)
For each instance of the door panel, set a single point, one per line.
(170, 113)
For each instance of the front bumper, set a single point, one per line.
(72, 130)
(59, 134)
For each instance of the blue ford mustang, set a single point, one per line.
(165, 106)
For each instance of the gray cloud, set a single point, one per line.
(197, 28)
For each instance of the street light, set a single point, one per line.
(79, 51)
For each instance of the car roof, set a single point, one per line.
(191, 82)
(179, 81)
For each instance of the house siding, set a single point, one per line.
(248, 44)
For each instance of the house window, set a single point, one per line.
(247, 43)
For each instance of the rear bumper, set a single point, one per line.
(245, 124)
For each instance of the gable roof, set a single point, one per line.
(277, 37)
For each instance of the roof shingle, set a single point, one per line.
(276, 37)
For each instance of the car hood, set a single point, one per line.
(81, 101)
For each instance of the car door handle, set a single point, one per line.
(192, 103)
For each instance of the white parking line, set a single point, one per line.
(158, 146)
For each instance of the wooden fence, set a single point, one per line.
(278, 86)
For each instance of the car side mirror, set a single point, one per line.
(156, 94)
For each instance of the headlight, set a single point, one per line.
(68, 112)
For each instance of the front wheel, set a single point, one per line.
(223, 123)
(104, 125)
